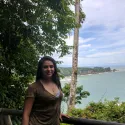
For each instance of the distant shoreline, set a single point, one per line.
(68, 78)
(86, 70)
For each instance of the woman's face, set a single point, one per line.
(48, 69)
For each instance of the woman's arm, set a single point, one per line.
(27, 109)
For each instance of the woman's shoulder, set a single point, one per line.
(34, 85)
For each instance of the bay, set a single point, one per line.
(102, 86)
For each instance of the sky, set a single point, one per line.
(102, 35)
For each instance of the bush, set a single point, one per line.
(106, 111)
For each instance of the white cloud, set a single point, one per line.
(69, 40)
(67, 61)
(104, 43)
(102, 54)
(85, 40)
(104, 12)
(115, 44)
(85, 46)
(101, 61)
(92, 50)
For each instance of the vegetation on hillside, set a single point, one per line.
(106, 111)
(84, 70)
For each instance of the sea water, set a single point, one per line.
(102, 86)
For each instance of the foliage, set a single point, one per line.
(76, 113)
(65, 71)
(79, 94)
(28, 29)
(84, 70)
(106, 111)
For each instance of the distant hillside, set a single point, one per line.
(84, 70)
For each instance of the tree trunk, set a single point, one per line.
(75, 58)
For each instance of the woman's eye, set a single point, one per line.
(45, 67)
(51, 66)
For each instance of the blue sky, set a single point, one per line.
(102, 35)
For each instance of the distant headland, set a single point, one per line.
(67, 71)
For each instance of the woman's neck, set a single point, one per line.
(47, 80)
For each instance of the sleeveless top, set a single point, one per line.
(46, 107)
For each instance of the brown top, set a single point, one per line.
(46, 107)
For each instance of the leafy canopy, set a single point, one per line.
(28, 29)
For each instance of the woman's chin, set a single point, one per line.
(48, 76)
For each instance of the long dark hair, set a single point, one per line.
(40, 75)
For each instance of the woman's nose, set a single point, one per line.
(48, 68)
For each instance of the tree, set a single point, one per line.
(75, 55)
(80, 94)
(28, 29)
(113, 110)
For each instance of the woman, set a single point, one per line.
(43, 98)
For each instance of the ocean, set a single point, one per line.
(102, 86)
